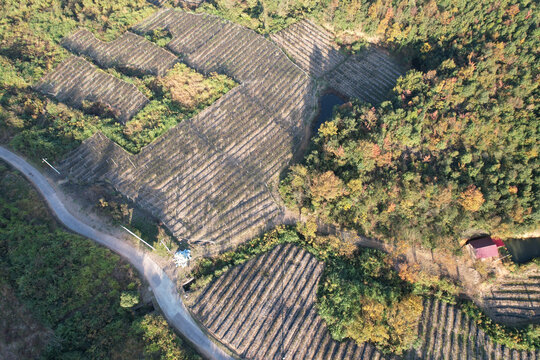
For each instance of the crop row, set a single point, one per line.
(197, 192)
(210, 44)
(448, 333)
(265, 309)
(189, 31)
(76, 82)
(130, 52)
(208, 178)
(311, 47)
(94, 158)
(515, 301)
(368, 76)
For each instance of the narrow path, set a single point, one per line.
(164, 288)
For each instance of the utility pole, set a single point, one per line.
(166, 247)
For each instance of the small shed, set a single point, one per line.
(484, 247)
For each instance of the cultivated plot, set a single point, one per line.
(515, 301)
(80, 84)
(130, 53)
(265, 309)
(211, 177)
(368, 75)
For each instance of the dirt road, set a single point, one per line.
(164, 288)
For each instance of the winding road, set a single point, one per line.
(164, 288)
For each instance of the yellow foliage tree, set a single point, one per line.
(471, 199)
(326, 186)
(368, 325)
(404, 318)
(328, 129)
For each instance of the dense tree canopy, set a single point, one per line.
(455, 148)
(364, 299)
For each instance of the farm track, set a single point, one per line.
(76, 81)
(130, 52)
(265, 309)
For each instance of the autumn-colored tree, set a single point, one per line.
(368, 324)
(403, 318)
(326, 186)
(328, 129)
(308, 229)
(471, 199)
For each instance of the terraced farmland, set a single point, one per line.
(76, 81)
(448, 333)
(210, 178)
(311, 46)
(265, 309)
(131, 53)
(368, 75)
(515, 301)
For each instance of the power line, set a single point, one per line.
(52, 167)
(153, 248)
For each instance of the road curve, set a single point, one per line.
(164, 288)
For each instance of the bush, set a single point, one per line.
(364, 299)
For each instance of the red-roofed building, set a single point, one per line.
(498, 242)
(484, 247)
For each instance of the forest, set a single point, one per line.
(455, 149)
(87, 297)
